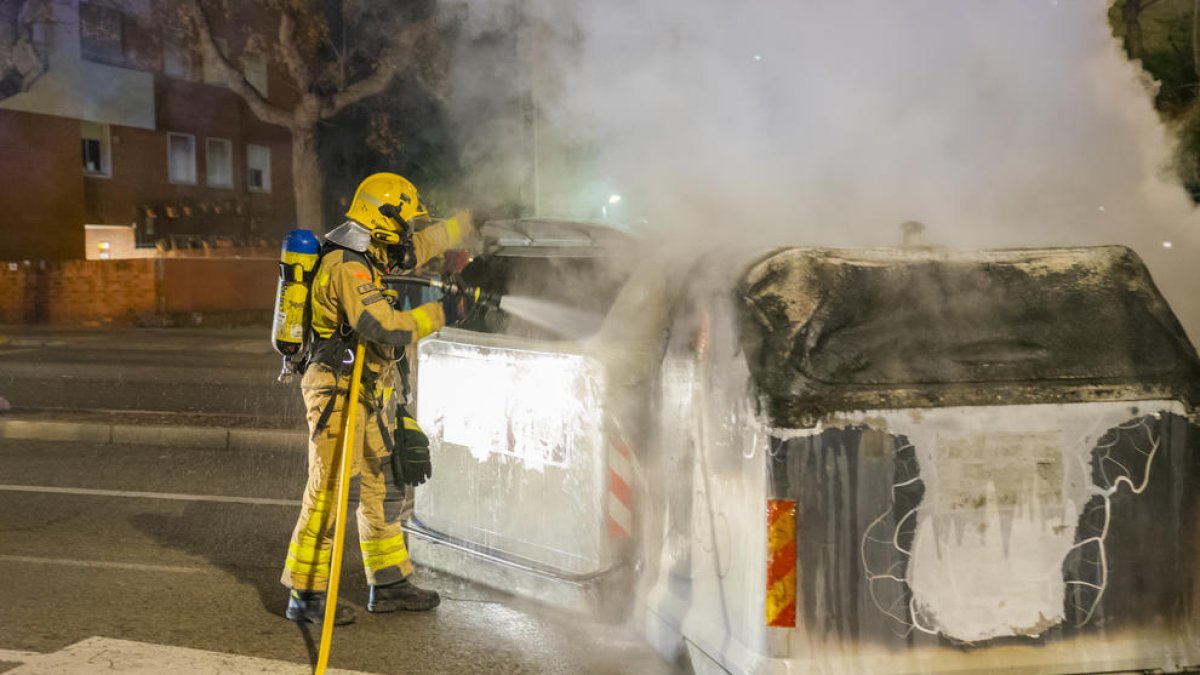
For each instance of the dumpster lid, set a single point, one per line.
(542, 237)
(833, 330)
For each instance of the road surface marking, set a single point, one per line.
(149, 495)
(139, 658)
(19, 350)
(102, 564)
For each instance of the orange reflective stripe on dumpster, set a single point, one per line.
(620, 492)
(781, 563)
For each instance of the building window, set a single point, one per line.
(218, 162)
(97, 149)
(181, 158)
(254, 67)
(258, 168)
(177, 58)
(100, 36)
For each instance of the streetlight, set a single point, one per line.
(612, 199)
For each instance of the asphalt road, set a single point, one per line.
(192, 560)
(201, 371)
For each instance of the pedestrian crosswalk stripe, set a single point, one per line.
(139, 658)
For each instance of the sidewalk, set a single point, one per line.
(221, 432)
(30, 340)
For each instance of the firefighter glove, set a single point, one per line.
(411, 463)
(458, 301)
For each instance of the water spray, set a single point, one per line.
(566, 321)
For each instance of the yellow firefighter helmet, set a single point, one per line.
(379, 191)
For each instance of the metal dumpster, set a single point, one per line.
(533, 487)
(925, 462)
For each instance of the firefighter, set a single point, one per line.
(349, 303)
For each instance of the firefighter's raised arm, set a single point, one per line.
(436, 239)
(371, 316)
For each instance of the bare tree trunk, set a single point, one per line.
(306, 179)
(1130, 14)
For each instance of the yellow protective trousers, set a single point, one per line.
(381, 540)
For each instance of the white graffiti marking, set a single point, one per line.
(1112, 484)
(877, 580)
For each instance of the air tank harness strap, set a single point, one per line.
(295, 272)
(327, 412)
(330, 352)
(405, 372)
(388, 441)
(336, 352)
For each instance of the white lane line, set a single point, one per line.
(102, 564)
(20, 350)
(149, 495)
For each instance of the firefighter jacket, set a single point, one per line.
(348, 295)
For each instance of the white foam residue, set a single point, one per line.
(1004, 489)
(531, 406)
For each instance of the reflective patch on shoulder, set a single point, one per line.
(372, 299)
(365, 288)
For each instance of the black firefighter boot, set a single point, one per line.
(310, 606)
(402, 594)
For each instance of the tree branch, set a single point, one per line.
(229, 75)
(1189, 117)
(22, 61)
(374, 84)
(336, 69)
(400, 51)
(290, 54)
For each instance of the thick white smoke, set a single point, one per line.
(1015, 123)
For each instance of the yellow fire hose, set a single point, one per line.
(346, 461)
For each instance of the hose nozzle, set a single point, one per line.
(450, 285)
(480, 296)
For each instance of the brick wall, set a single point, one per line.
(214, 285)
(41, 187)
(129, 292)
(91, 292)
(12, 292)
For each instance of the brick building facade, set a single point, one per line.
(123, 130)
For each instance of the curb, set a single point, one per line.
(216, 438)
(7, 341)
